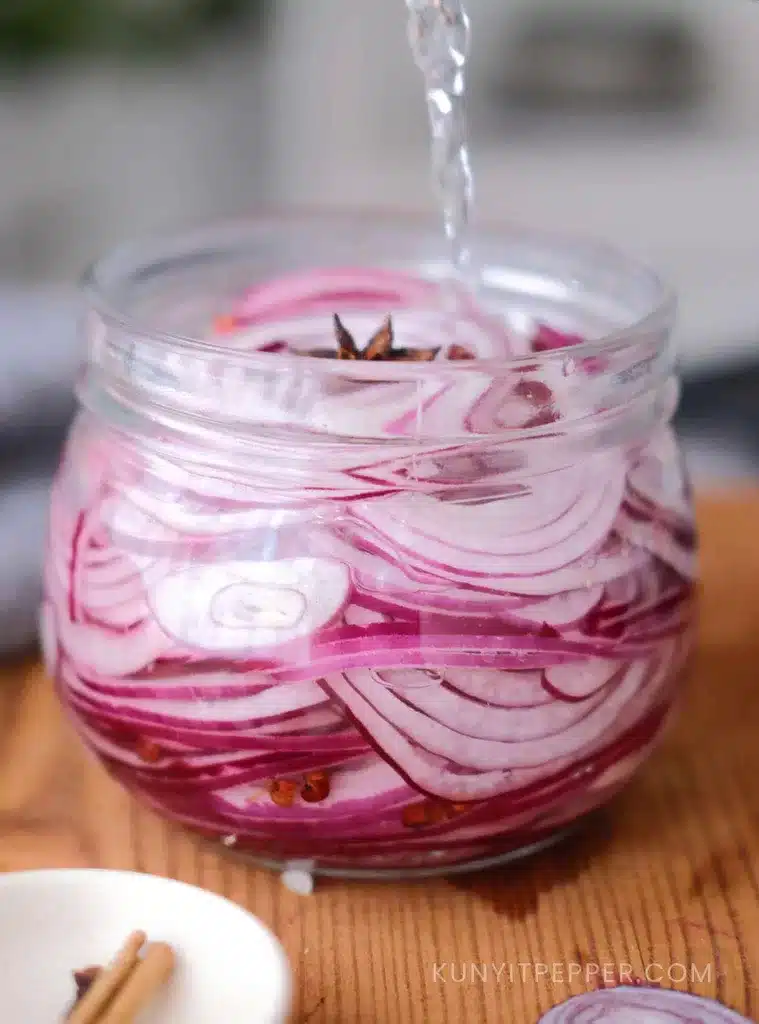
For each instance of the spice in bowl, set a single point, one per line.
(116, 994)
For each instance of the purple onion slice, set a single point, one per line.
(629, 1004)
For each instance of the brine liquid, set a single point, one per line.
(439, 32)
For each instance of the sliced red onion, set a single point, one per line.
(422, 771)
(356, 292)
(496, 688)
(563, 609)
(241, 606)
(177, 514)
(110, 652)
(534, 738)
(49, 637)
(271, 703)
(356, 615)
(336, 287)
(214, 736)
(581, 681)
(198, 685)
(505, 725)
(614, 558)
(632, 1004)
(659, 541)
(652, 476)
(472, 646)
(547, 339)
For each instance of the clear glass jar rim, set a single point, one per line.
(100, 279)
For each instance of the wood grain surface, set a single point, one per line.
(664, 885)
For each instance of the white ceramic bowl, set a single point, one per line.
(230, 966)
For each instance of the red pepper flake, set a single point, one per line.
(316, 787)
(415, 816)
(548, 339)
(273, 347)
(458, 353)
(283, 792)
(225, 324)
(547, 632)
(438, 813)
(431, 812)
(534, 391)
(148, 750)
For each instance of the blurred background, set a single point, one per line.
(636, 121)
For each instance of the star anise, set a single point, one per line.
(457, 353)
(84, 980)
(379, 348)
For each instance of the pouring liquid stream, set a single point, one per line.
(440, 35)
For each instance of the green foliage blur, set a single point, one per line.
(34, 32)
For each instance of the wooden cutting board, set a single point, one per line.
(664, 885)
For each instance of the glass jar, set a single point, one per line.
(392, 616)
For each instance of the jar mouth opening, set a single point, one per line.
(108, 280)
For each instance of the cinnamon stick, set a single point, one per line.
(141, 986)
(90, 1007)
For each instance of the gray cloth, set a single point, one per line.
(23, 520)
(40, 353)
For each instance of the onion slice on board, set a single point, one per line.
(632, 1004)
